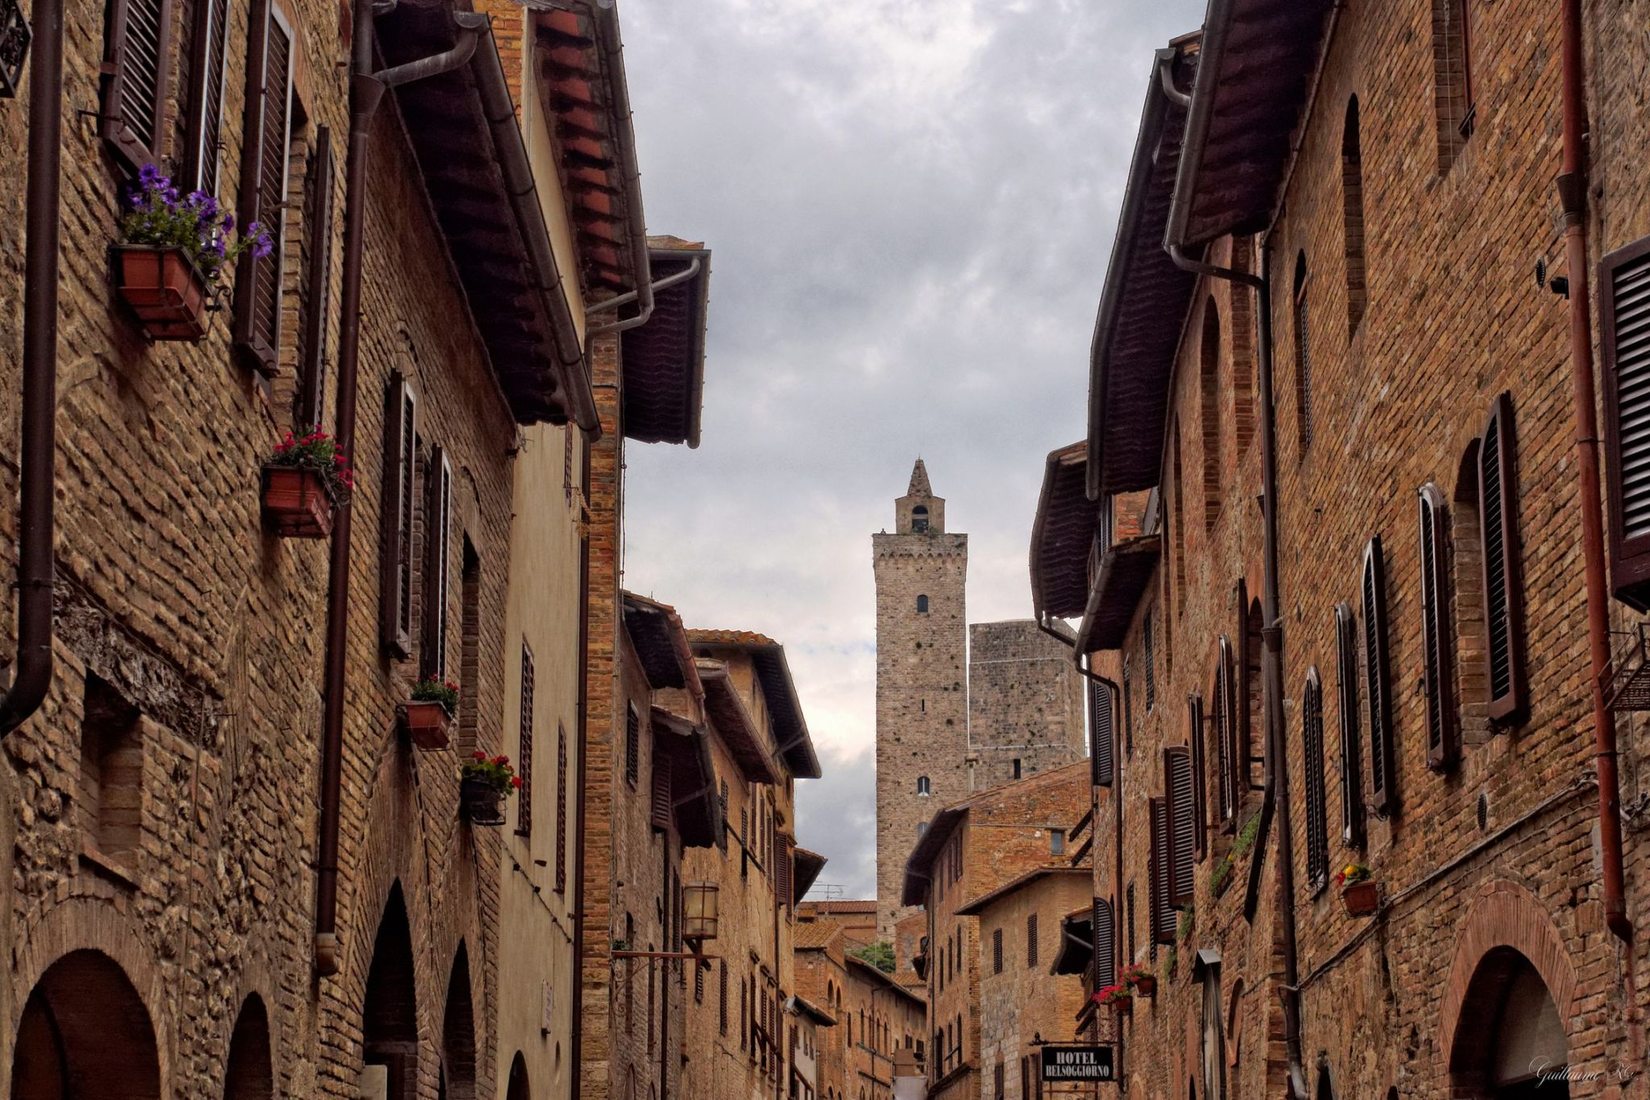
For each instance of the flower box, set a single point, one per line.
(1362, 899)
(164, 289)
(427, 722)
(1123, 1006)
(297, 502)
(1144, 984)
(481, 801)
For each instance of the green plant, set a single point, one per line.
(1219, 873)
(1170, 960)
(158, 218)
(493, 770)
(434, 690)
(317, 451)
(1246, 837)
(1114, 994)
(879, 955)
(1132, 974)
(1188, 921)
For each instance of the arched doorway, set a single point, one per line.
(458, 1033)
(251, 1073)
(389, 1023)
(518, 1089)
(1510, 1043)
(85, 1032)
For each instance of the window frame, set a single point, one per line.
(123, 141)
(260, 350)
(397, 507)
(1346, 698)
(1378, 683)
(1629, 554)
(1314, 792)
(1437, 649)
(1497, 453)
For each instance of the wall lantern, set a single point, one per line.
(699, 910)
(14, 46)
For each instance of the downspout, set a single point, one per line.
(38, 443)
(607, 33)
(576, 1038)
(366, 93)
(1275, 792)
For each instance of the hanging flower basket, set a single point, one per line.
(302, 483)
(484, 783)
(1359, 893)
(428, 715)
(1117, 998)
(1141, 980)
(171, 253)
(164, 289)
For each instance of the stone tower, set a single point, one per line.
(1025, 703)
(922, 677)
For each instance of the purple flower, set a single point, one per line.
(149, 175)
(228, 223)
(263, 247)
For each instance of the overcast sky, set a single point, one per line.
(909, 204)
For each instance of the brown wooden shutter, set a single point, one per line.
(1105, 944)
(312, 358)
(263, 191)
(1378, 707)
(136, 80)
(1148, 656)
(632, 745)
(1242, 685)
(396, 507)
(782, 856)
(996, 950)
(1195, 733)
(1437, 678)
(561, 811)
(203, 79)
(1102, 748)
(1226, 736)
(1346, 670)
(1503, 586)
(1312, 763)
(661, 792)
(524, 759)
(1179, 843)
(436, 590)
(1624, 344)
(1031, 940)
(1162, 915)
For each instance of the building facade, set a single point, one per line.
(1025, 703)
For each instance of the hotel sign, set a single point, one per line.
(1077, 1063)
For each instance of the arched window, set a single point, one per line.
(1178, 517)
(1352, 218)
(1209, 376)
(1503, 588)
(1437, 679)
(1510, 1031)
(923, 786)
(1452, 77)
(1326, 1091)
(1346, 701)
(919, 518)
(1303, 361)
(922, 605)
(1377, 702)
(1225, 744)
(250, 1074)
(1317, 819)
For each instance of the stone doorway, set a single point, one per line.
(85, 1033)
(1510, 1042)
(389, 1025)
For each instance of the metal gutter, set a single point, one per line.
(606, 16)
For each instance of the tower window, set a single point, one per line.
(1056, 842)
(924, 787)
(1016, 767)
(922, 605)
(919, 519)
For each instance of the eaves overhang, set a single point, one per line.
(1124, 576)
(1062, 534)
(664, 359)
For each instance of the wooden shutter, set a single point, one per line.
(1503, 586)
(263, 191)
(1150, 660)
(1346, 670)
(1105, 943)
(1437, 676)
(438, 534)
(1162, 909)
(722, 996)
(396, 506)
(312, 358)
(1180, 843)
(660, 816)
(561, 810)
(1242, 685)
(1317, 817)
(1378, 707)
(996, 950)
(204, 80)
(632, 745)
(1102, 748)
(1226, 736)
(1031, 940)
(782, 858)
(1624, 339)
(136, 80)
(524, 757)
(1200, 792)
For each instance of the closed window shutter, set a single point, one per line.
(996, 950)
(1162, 910)
(1105, 943)
(1503, 588)
(1200, 793)
(1437, 678)
(1346, 670)
(783, 857)
(203, 78)
(1031, 940)
(312, 360)
(1317, 821)
(263, 193)
(1242, 685)
(1102, 760)
(632, 745)
(395, 551)
(1226, 736)
(561, 809)
(136, 75)
(438, 520)
(1180, 842)
(1624, 339)
(524, 759)
(661, 792)
(1151, 661)
(1378, 709)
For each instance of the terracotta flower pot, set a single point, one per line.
(1362, 899)
(1145, 984)
(296, 502)
(427, 722)
(164, 289)
(1123, 1006)
(481, 801)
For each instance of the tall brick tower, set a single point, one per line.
(922, 677)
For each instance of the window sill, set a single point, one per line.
(107, 867)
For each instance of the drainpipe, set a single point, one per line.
(1572, 192)
(607, 34)
(576, 1037)
(1275, 793)
(38, 450)
(366, 93)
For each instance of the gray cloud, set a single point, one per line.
(910, 204)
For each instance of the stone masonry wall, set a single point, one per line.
(1025, 703)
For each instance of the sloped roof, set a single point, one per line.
(784, 707)
(733, 723)
(664, 360)
(1062, 534)
(1125, 574)
(985, 901)
(807, 866)
(814, 935)
(657, 635)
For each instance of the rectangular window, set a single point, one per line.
(136, 80)
(1624, 317)
(1436, 647)
(722, 997)
(1317, 818)
(524, 761)
(1150, 662)
(1163, 916)
(1503, 587)
(312, 358)
(203, 81)
(1105, 944)
(1056, 842)
(396, 507)
(267, 138)
(110, 794)
(1200, 793)
(1031, 940)
(1102, 759)
(438, 536)
(1346, 698)
(561, 810)
(1179, 844)
(632, 744)
(997, 951)
(1382, 780)
(469, 658)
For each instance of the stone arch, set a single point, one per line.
(518, 1088)
(458, 1032)
(1503, 915)
(249, 1073)
(85, 1031)
(389, 1010)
